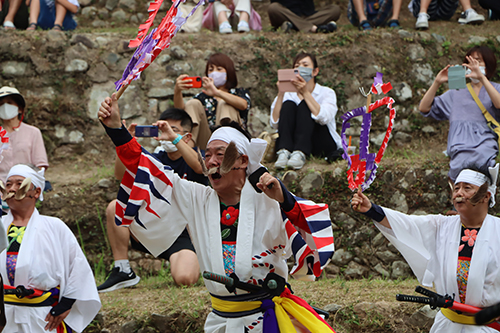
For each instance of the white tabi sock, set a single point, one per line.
(124, 265)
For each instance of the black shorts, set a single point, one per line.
(183, 242)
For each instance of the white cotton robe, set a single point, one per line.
(430, 246)
(260, 228)
(50, 256)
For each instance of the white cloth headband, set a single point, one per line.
(478, 179)
(37, 178)
(254, 149)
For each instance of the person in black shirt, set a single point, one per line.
(301, 15)
(184, 265)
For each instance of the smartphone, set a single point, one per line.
(195, 81)
(285, 76)
(456, 77)
(146, 131)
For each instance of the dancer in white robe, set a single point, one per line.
(433, 245)
(261, 245)
(50, 257)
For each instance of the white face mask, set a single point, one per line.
(481, 68)
(8, 111)
(168, 146)
(219, 78)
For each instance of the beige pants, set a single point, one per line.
(201, 132)
(240, 6)
(193, 23)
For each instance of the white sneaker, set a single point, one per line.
(283, 156)
(297, 160)
(470, 16)
(243, 26)
(422, 21)
(225, 28)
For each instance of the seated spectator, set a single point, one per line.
(14, 14)
(302, 16)
(368, 14)
(43, 255)
(219, 12)
(182, 157)
(470, 138)
(425, 10)
(25, 141)
(306, 118)
(220, 102)
(493, 7)
(53, 14)
(193, 23)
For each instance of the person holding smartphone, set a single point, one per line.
(220, 101)
(182, 157)
(305, 119)
(469, 137)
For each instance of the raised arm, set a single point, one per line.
(210, 89)
(180, 85)
(301, 86)
(188, 153)
(276, 107)
(473, 65)
(361, 203)
(426, 102)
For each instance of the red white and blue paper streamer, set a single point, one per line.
(150, 45)
(366, 161)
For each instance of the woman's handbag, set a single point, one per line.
(269, 153)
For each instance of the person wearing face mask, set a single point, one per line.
(25, 141)
(184, 266)
(457, 255)
(305, 119)
(220, 101)
(469, 138)
(243, 226)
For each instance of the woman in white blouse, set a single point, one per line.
(305, 119)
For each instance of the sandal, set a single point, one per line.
(57, 27)
(393, 24)
(365, 25)
(32, 26)
(8, 25)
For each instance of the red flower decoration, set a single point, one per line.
(229, 216)
(470, 237)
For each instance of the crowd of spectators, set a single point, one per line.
(227, 16)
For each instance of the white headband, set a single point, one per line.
(254, 149)
(37, 178)
(478, 179)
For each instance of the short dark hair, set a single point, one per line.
(236, 126)
(488, 56)
(222, 60)
(178, 114)
(303, 55)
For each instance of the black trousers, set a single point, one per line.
(21, 19)
(298, 131)
(494, 5)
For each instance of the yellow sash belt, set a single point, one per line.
(283, 307)
(458, 318)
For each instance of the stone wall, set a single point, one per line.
(59, 71)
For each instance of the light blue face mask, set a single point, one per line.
(306, 73)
